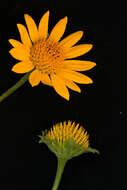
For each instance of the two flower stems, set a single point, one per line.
(61, 161)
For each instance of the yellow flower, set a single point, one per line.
(48, 58)
(67, 140)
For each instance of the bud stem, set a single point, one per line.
(60, 169)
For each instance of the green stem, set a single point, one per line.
(60, 169)
(15, 87)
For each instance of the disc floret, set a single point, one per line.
(47, 56)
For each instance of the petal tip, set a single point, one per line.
(33, 84)
(26, 16)
(11, 51)
(13, 69)
(79, 91)
(18, 25)
(91, 81)
(10, 41)
(66, 18)
(67, 98)
(48, 12)
(81, 32)
(93, 64)
(91, 46)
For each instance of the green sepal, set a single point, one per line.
(92, 150)
(42, 136)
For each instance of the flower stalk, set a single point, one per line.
(15, 87)
(60, 169)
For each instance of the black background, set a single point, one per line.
(25, 164)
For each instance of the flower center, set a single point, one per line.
(47, 56)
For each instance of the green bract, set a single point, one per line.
(66, 150)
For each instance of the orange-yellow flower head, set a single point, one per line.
(67, 140)
(48, 58)
(63, 132)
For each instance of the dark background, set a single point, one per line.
(25, 164)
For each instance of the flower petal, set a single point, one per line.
(75, 76)
(72, 39)
(78, 65)
(23, 67)
(15, 43)
(70, 84)
(43, 25)
(59, 86)
(35, 78)
(24, 35)
(59, 29)
(19, 53)
(46, 79)
(33, 31)
(78, 50)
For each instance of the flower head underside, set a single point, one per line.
(67, 140)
